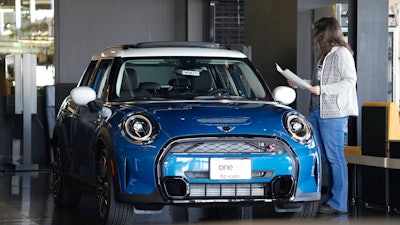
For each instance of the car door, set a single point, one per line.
(67, 119)
(86, 124)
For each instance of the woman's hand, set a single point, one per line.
(291, 84)
(315, 90)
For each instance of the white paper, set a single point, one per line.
(293, 77)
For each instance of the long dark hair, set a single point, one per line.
(327, 34)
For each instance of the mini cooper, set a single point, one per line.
(186, 124)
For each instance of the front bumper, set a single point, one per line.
(180, 172)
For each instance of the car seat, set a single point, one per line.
(202, 84)
(130, 86)
(180, 86)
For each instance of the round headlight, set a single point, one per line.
(140, 128)
(298, 127)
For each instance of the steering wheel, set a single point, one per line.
(221, 92)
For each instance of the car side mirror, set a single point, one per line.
(82, 95)
(284, 95)
(86, 96)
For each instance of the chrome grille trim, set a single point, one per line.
(220, 192)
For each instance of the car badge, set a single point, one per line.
(226, 128)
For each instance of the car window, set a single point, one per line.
(101, 77)
(87, 74)
(189, 78)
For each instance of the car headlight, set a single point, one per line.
(140, 128)
(298, 127)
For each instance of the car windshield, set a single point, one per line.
(189, 78)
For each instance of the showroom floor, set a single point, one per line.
(25, 198)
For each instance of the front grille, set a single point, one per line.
(228, 145)
(178, 188)
(227, 190)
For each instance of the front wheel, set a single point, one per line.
(111, 212)
(310, 210)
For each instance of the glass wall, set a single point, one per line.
(27, 26)
(227, 22)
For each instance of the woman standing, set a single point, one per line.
(333, 100)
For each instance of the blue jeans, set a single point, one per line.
(330, 138)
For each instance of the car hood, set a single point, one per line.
(206, 118)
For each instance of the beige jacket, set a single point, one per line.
(338, 96)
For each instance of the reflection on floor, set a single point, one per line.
(25, 198)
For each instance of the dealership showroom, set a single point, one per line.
(53, 51)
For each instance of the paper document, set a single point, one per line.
(293, 77)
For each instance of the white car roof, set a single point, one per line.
(158, 51)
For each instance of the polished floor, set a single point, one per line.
(25, 198)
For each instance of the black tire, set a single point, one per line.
(310, 210)
(110, 211)
(63, 193)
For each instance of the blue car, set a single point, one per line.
(182, 123)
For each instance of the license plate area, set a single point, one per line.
(230, 168)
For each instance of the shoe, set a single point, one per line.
(327, 209)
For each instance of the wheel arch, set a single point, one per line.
(104, 141)
(59, 140)
(59, 136)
